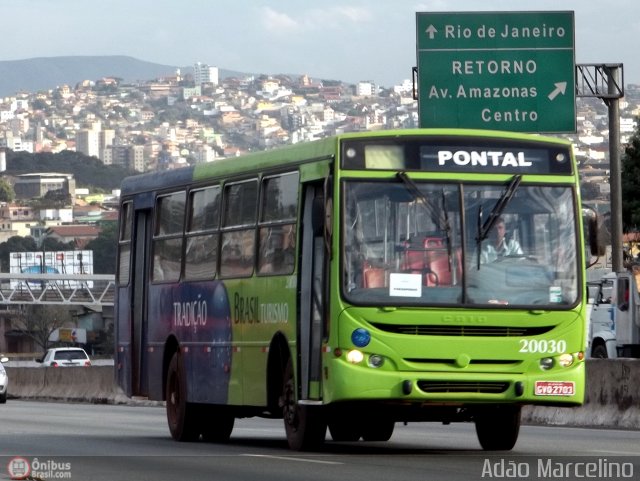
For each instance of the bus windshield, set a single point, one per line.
(411, 242)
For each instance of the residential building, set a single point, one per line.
(88, 142)
(203, 73)
(79, 234)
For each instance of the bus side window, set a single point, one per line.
(277, 249)
(201, 254)
(167, 240)
(277, 228)
(124, 260)
(239, 228)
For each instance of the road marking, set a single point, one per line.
(612, 453)
(287, 458)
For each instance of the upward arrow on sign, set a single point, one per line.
(431, 31)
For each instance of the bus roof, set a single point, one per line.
(297, 153)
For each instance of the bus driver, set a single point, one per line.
(499, 245)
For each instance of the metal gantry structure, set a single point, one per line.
(90, 290)
(606, 82)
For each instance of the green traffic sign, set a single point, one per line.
(497, 70)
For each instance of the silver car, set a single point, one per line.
(4, 381)
(65, 357)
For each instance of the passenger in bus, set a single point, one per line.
(277, 250)
(499, 244)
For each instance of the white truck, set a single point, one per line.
(614, 322)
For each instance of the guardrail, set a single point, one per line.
(612, 395)
(68, 289)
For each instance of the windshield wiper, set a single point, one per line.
(447, 227)
(485, 227)
(437, 217)
(441, 218)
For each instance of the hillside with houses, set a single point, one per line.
(179, 120)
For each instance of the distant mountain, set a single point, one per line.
(32, 75)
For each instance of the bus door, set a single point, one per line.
(312, 293)
(142, 248)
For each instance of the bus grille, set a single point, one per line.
(465, 331)
(476, 362)
(495, 387)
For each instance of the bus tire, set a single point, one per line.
(599, 351)
(305, 426)
(498, 427)
(379, 431)
(181, 415)
(217, 424)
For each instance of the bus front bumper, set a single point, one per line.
(345, 381)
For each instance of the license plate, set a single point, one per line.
(555, 388)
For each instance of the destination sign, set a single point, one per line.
(497, 70)
(456, 154)
(495, 160)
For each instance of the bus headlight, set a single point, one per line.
(565, 360)
(546, 363)
(355, 357)
(376, 360)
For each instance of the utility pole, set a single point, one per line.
(606, 82)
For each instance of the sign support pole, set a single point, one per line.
(613, 105)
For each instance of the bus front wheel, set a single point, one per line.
(181, 415)
(498, 427)
(305, 425)
(382, 430)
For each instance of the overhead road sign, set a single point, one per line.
(497, 70)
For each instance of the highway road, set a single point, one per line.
(107, 442)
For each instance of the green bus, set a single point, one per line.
(354, 282)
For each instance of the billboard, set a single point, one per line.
(52, 262)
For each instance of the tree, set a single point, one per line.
(50, 244)
(631, 183)
(57, 198)
(28, 244)
(15, 244)
(38, 321)
(7, 194)
(88, 171)
(104, 249)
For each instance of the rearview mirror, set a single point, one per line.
(590, 220)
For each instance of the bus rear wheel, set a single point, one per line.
(498, 427)
(181, 415)
(305, 425)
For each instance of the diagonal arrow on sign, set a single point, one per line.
(561, 88)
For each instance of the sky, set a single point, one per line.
(349, 40)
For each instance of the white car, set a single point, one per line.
(65, 357)
(4, 381)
